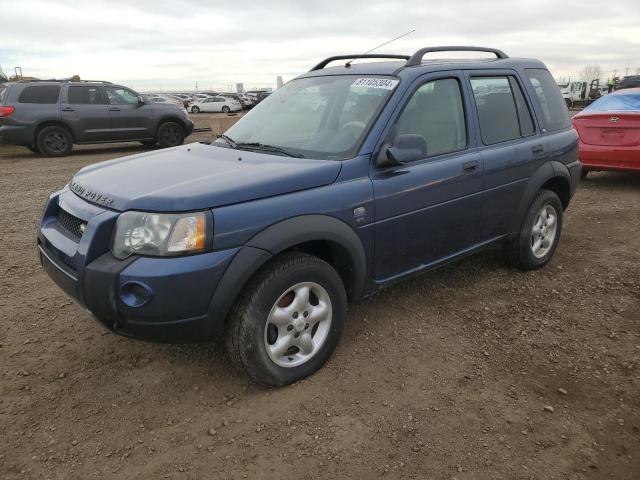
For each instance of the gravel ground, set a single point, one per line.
(473, 371)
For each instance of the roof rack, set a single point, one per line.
(327, 61)
(61, 80)
(415, 59)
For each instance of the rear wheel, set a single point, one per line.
(54, 141)
(195, 109)
(225, 109)
(288, 321)
(170, 134)
(539, 234)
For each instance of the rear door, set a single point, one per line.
(84, 109)
(511, 147)
(129, 119)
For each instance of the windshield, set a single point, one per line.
(616, 103)
(318, 117)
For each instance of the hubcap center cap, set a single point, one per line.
(298, 324)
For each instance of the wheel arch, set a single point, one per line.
(323, 236)
(51, 123)
(552, 176)
(171, 118)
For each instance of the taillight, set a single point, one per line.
(6, 111)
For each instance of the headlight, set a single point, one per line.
(161, 234)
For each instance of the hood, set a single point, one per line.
(197, 176)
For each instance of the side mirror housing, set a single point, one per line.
(406, 148)
(141, 101)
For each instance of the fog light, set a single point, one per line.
(135, 294)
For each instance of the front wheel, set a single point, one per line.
(288, 321)
(195, 110)
(170, 134)
(225, 109)
(539, 234)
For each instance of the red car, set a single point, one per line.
(609, 131)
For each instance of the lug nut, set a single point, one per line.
(306, 325)
(297, 334)
(295, 314)
(305, 314)
(289, 328)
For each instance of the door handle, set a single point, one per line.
(68, 109)
(470, 167)
(537, 148)
(114, 109)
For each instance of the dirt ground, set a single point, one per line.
(474, 371)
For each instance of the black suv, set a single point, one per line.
(48, 117)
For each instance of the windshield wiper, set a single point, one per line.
(267, 148)
(229, 140)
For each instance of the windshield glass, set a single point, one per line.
(616, 103)
(318, 117)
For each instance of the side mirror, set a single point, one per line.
(406, 148)
(141, 101)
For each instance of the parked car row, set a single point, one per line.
(211, 101)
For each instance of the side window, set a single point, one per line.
(524, 114)
(554, 111)
(85, 95)
(435, 111)
(47, 94)
(496, 106)
(121, 96)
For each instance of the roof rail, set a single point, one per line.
(327, 61)
(416, 58)
(62, 80)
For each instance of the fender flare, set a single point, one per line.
(546, 172)
(294, 231)
(275, 239)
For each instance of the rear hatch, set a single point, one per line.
(609, 129)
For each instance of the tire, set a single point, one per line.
(54, 141)
(584, 173)
(276, 293)
(545, 215)
(148, 143)
(225, 109)
(195, 110)
(170, 134)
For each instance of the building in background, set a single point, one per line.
(279, 82)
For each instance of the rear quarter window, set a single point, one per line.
(555, 115)
(44, 94)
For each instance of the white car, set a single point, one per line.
(216, 104)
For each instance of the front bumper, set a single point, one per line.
(155, 299)
(188, 127)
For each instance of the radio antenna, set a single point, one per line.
(348, 64)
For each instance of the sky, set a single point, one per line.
(172, 44)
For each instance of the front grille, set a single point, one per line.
(72, 224)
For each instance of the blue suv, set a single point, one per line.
(345, 180)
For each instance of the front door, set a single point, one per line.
(130, 120)
(84, 109)
(429, 210)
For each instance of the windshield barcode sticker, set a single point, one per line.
(385, 83)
